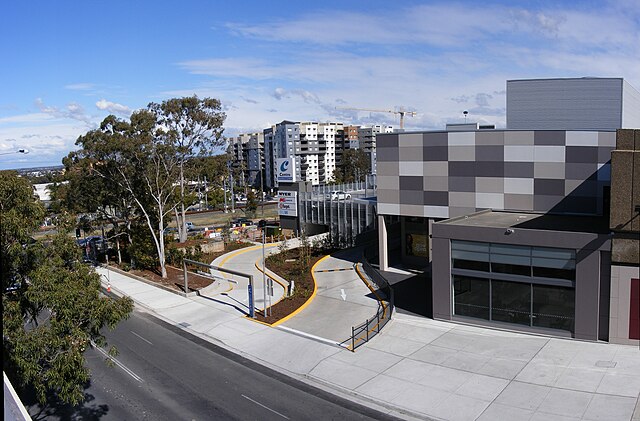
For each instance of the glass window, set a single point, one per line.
(542, 272)
(471, 297)
(511, 249)
(553, 307)
(471, 265)
(553, 253)
(514, 269)
(511, 302)
(470, 255)
(470, 246)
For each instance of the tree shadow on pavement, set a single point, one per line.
(54, 409)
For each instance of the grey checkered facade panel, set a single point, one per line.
(454, 173)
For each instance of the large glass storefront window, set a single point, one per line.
(536, 303)
(511, 302)
(471, 296)
(553, 307)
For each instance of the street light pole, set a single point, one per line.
(264, 276)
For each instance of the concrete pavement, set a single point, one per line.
(233, 290)
(342, 300)
(417, 367)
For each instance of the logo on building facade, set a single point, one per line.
(286, 170)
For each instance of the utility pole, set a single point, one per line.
(206, 194)
(224, 190)
(261, 189)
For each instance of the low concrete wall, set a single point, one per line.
(212, 247)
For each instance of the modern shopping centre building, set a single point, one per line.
(533, 227)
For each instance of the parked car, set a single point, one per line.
(190, 226)
(340, 195)
(262, 223)
(239, 222)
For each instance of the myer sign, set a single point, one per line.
(288, 203)
(285, 170)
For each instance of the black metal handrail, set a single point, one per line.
(363, 332)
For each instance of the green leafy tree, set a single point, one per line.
(84, 191)
(252, 205)
(191, 126)
(52, 309)
(355, 165)
(135, 157)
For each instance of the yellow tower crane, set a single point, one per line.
(400, 112)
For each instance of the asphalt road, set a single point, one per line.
(164, 373)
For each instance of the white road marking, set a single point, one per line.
(118, 363)
(149, 342)
(265, 407)
(343, 294)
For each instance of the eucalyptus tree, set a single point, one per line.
(193, 127)
(52, 309)
(355, 164)
(140, 161)
(84, 191)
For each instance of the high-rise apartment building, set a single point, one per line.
(247, 155)
(315, 147)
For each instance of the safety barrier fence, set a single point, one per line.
(363, 332)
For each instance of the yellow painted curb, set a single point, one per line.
(235, 253)
(309, 300)
(257, 321)
(371, 289)
(260, 270)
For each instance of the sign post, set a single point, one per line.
(252, 310)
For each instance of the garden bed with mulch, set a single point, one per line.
(174, 279)
(288, 267)
(229, 247)
(175, 276)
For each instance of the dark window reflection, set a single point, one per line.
(512, 269)
(471, 265)
(553, 307)
(511, 302)
(471, 297)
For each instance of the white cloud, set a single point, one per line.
(26, 118)
(72, 110)
(47, 145)
(113, 107)
(306, 96)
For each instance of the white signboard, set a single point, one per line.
(285, 170)
(288, 203)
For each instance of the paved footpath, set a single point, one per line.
(422, 368)
(342, 300)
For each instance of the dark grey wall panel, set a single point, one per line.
(587, 294)
(441, 278)
(518, 169)
(552, 138)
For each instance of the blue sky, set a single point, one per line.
(67, 65)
